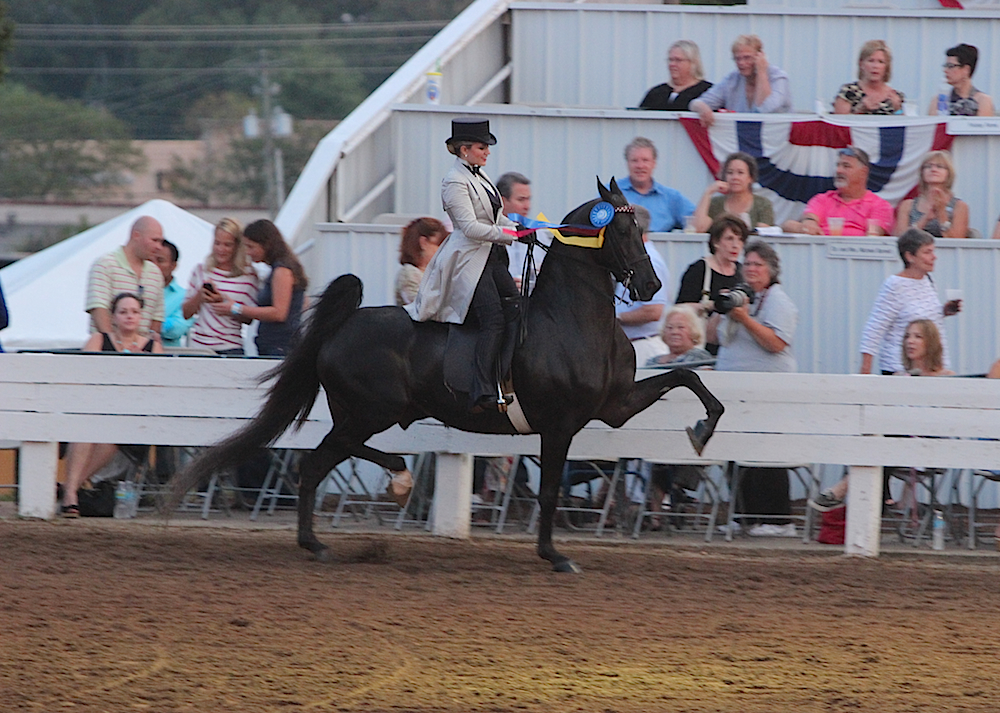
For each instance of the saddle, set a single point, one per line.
(460, 350)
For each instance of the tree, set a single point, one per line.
(50, 148)
(6, 33)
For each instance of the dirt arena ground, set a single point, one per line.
(108, 616)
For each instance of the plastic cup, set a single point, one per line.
(873, 227)
(836, 225)
(689, 224)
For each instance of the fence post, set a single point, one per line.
(864, 511)
(453, 495)
(36, 479)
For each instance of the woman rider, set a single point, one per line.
(469, 271)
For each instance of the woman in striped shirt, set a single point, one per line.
(225, 276)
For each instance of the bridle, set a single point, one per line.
(626, 269)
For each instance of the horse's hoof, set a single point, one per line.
(568, 566)
(322, 555)
(697, 436)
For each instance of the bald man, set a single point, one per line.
(130, 268)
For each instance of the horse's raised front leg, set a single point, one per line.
(646, 392)
(554, 449)
(313, 468)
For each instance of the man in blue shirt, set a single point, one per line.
(174, 325)
(667, 207)
(641, 320)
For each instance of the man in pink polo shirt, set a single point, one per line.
(862, 212)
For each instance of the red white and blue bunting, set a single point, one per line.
(796, 159)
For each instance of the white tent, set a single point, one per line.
(45, 292)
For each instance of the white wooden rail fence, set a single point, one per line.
(48, 398)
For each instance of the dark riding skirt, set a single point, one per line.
(495, 284)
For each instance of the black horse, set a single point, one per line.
(380, 368)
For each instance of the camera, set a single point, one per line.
(738, 296)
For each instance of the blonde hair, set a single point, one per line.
(868, 49)
(691, 51)
(933, 351)
(695, 324)
(241, 263)
(945, 158)
(751, 41)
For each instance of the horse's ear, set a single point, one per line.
(602, 191)
(614, 187)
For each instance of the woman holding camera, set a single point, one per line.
(225, 275)
(706, 279)
(757, 336)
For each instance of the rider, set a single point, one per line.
(469, 271)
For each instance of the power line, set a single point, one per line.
(38, 71)
(160, 44)
(226, 31)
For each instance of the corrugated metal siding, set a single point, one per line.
(610, 56)
(834, 295)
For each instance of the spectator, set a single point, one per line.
(903, 298)
(666, 206)
(224, 277)
(737, 177)
(935, 209)
(854, 208)
(85, 459)
(705, 279)
(420, 240)
(4, 317)
(282, 297)
(641, 320)
(129, 268)
(965, 99)
(174, 325)
(684, 336)
(871, 94)
(756, 86)
(515, 195)
(758, 337)
(687, 80)
(922, 354)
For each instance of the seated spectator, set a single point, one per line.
(85, 459)
(687, 80)
(935, 209)
(965, 99)
(175, 327)
(666, 206)
(684, 336)
(225, 275)
(705, 279)
(871, 94)
(857, 210)
(737, 177)
(922, 355)
(420, 240)
(758, 337)
(904, 297)
(756, 86)
(641, 320)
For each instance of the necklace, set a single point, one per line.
(123, 346)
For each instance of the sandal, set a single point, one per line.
(70, 511)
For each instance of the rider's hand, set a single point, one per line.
(528, 238)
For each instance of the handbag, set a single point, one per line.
(98, 501)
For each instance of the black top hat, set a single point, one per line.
(469, 129)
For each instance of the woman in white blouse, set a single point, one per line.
(903, 298)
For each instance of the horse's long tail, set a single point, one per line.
(290, 398)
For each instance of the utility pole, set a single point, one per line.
(267, 90)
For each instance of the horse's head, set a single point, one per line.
(623, 252)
